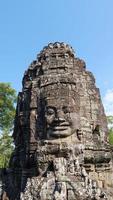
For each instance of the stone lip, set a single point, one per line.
(62, 129)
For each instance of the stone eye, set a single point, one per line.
(65, 109)
(50, 111)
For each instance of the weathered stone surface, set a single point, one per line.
(60, 133)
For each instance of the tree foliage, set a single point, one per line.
(110, 120)
(110, 127)
(6, 148)
(7, 113)
(111, 136)
(7, 109)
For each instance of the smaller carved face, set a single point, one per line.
(60, 121)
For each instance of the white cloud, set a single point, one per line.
(108, 102)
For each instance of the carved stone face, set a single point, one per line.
(61, 117)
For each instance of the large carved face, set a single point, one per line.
(60, 121)
(61, 114)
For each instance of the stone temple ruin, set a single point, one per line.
(60, 133)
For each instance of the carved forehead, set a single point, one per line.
(59, 95)
(61, 103)
(58, 90)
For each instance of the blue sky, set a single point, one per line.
(26, 26)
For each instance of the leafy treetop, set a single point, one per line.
(7, 108)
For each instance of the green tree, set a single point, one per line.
(6, 148)
(110, 127)
(7, 113)
(7, 108)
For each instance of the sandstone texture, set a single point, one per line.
(60, 133)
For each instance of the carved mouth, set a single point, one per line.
(65, 124)
(60, 128)
(60, 131)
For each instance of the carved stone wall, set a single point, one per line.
(60, 133)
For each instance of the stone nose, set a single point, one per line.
(59, 119)
(60, 116)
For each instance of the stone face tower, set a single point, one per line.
(60, 133)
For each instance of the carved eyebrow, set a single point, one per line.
(51, 107)
(63, 107)
(66, 107)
